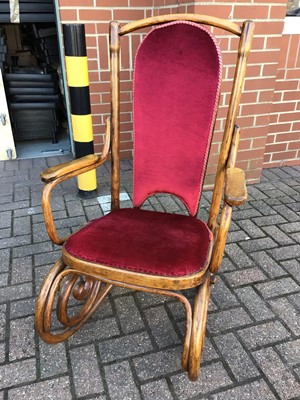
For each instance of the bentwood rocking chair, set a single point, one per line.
(177, 81)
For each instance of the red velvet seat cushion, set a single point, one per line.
(144, 241)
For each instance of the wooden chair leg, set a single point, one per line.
(64, 282)
(198, 328)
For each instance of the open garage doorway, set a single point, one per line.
(34, 79)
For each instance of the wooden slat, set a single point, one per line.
(203, 19)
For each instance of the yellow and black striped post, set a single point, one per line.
(81, 117)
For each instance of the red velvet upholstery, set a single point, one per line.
(176, 90)
(144, 241)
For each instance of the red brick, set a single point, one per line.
(126, 107)
(68, 15)
(93, 76)
(127, 127)
(128, 14)
(103, 52)
(278, 12)
(262, 120)
(229, 58)
(108, 3)
(92, 53)
(255, 131)
(258, 43)
(274, 42)
(275, 148)
(284, 155)
(125, 53)
(103, 28)
(293, 73)
(271, 137)
(251, 12)
(255, 164)
(273, 118)
(282, 163)
(259, 143)
(244, 121)
(293, 49)
(253, 177)
(100, 108)
(277, 96)
(295, 145)
(252, 71)
(266, 27)
(243, 164)
(270, 70)
(125, 117)
(281, 74)
(287, 85)
(234, 43)
(93, 65)
(278, 128)
(296, 126)
(245, 144)
(140, 3)
(99, 87)
(226, 86)
(96, 119)
(76, 3)
(283, 107)
(265, 96)
(292, 116)
(285, 137)
(223, 43)
(220, 11)
(285, 40)
(257, 84)
(273, 1)
(291, 96)
(256, 108)
(125, 154)
(95, 98)
(249, 97)
(94, 15)
(250, 154)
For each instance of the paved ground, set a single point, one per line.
(131, 348)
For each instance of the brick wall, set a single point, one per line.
(257, 100)
(283, 141)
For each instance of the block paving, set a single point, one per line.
(131, 347)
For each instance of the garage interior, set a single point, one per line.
(31, 69)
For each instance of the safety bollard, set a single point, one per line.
(81, 117)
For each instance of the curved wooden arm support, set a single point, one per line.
(60, 170)
(55, 175)
(219, 246)
(235, 187)
(74, 166)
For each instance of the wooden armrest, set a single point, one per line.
(73, 168)
(54, 175)
(235, 187)
(63, 169)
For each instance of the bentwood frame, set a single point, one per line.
(99, 279)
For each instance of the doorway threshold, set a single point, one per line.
(42, 148)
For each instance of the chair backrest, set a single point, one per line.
(177, 79)
(176, 89)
